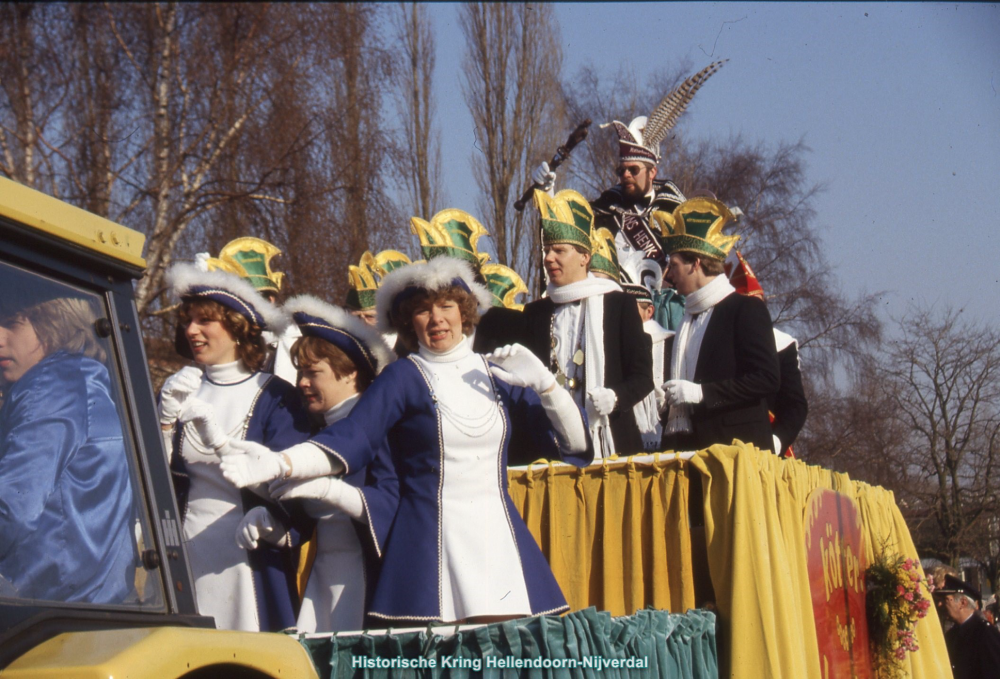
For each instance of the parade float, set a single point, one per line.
(722, 562)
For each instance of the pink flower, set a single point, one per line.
(907, 565)
(908, 596)
(899, 589)
(914, 577)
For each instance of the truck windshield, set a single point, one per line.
(72, 523)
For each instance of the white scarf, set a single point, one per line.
(647, 411)
(698, 307)
(591, 289)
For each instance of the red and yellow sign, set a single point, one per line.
(837, 565)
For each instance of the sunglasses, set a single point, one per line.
(633, 170)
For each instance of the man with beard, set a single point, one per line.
(625, 208)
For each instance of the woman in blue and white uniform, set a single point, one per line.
(222, 318)
(457, 550)
(337, 357)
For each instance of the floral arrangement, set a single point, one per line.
(897, 596)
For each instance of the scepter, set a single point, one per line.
(562, 153)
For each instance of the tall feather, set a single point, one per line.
(669, 110)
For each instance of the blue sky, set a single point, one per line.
(899, 103)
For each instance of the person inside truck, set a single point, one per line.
(337, 357)
(457, 550)
(65, 498)
(222, 318)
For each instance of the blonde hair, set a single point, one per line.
(66, 324)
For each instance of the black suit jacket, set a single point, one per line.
(737, 370)
(789, 404)
(628, 358)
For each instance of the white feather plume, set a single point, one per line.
(182, 277)
(438, 273)
(343, 320)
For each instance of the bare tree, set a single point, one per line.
(511, 70)
(419, 156)
(943, 377)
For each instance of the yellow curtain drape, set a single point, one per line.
(615, 533)
(617, 537)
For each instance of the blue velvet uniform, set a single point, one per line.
(65, 500)
(400, 407)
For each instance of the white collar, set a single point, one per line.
(588, 287)
(341, 410)
(227, 373)
(456, 353)
(708, 296)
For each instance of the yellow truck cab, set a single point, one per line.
(94, 580)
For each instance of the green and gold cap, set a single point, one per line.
(364, 278)
(566, 218)
(604, 255)
(452, 233)
(504, 285)
(362, 284)
(250, 259)
(696, 226)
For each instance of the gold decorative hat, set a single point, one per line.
(604, 258)
(364, 278)
(250, 259)
(450, 232)
(696, 226)
(566, 218)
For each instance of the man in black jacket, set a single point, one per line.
(724, 365)
(586, 330)
(973, 643)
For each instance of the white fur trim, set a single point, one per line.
(342, 319)
(433, 275)
(183, 277)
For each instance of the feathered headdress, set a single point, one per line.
(640, 140)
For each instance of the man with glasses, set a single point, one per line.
(625, 208)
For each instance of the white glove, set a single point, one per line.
(544, 177)
(175, 390)
(517, 366)
(202, 416)
(256, 525)
(682, 391)
(778, 450)
(251, 463)
(321, 495)
(603, 400)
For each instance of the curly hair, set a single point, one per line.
(250, 346)
(66, 324)
(468, 305)
(308, 351)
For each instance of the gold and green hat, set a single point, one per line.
(604, 255)
(452, 233)
(363, 279)
(362, 284)
(250, 259)
(566, 218)
(504, 285)
(696, 226)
